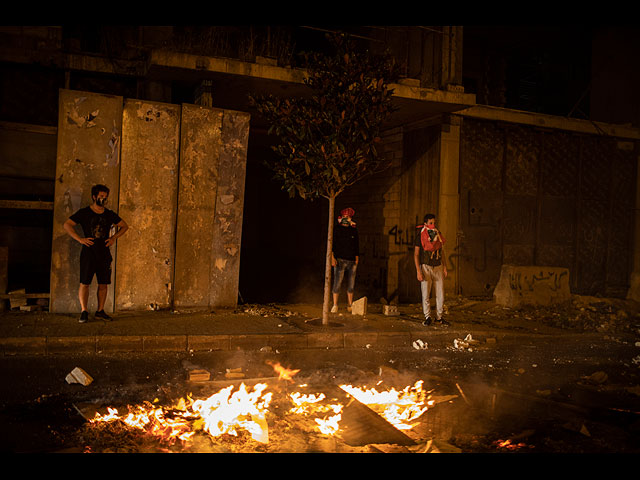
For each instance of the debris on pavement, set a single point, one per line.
(390, 310)
(359, 307)
(199, 375)
(234, 373)
(596, 378)
(465, 344)
(78, 375)
(420, 345)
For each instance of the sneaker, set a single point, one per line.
(443, 322)
(334, 309)
(427, 322)
(84, 317)
(103, 315)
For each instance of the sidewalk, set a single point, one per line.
(248, 327)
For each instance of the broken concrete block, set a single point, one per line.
(234, 373)
(532, 285)
(78, 375)
(18, 298)
(30, 308)
(359, 307)
(390, 310)
(199, 375)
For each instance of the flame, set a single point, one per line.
(221, 413)
(229, 412)
(225, 413)
(399, 408)
(283, 373)
(509, 445)
(310, 404)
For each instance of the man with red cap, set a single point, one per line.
(345, 256)
(430, 267)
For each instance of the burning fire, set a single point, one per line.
(246, 409)
(221, 413)
(283, 373)
(399, 408)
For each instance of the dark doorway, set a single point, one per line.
(283, 239)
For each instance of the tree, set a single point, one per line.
(327, 140)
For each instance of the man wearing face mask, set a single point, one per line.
(95, 257)
(345, 256)
(430, 267)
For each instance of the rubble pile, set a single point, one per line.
(588, 314)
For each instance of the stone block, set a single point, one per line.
(532, 285)
(359, 307)
(390, 310)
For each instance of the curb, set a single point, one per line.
(106, 344)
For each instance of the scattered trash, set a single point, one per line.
(78, 375)
(465, 344)
(420, 345)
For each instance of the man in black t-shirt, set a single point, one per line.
(345, 256)
(95, 257)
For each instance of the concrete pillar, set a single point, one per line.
(634, 281)
(449, 198)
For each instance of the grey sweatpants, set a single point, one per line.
(433, 276)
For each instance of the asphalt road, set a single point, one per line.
(569, 394)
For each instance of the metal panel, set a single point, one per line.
(564, 200)
(199, 158)
(148, 199)
(89, 133)
(481, 207)
(227, 232)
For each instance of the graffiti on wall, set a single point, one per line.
(554, 280)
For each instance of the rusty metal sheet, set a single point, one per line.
(88, 152)
(227, 232)
(199, 159)
(148, 199)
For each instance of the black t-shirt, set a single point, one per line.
(346, 244)
(426, 257)
(96, 225)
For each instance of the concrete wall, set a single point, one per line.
(148, 201)
(199, 167)
(177, 176)
(89, 134)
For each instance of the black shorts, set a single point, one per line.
(98, 265)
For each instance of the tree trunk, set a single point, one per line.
(327, 268)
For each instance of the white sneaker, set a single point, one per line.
(334, 309)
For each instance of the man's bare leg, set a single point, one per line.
(83, 296)
(102, 296)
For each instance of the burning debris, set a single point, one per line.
(247, 418)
